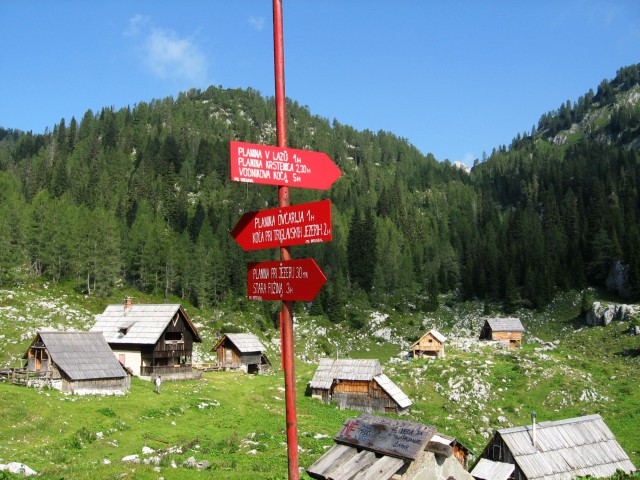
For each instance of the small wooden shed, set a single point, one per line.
(377, 448)
(241, 351)
(555, 450)
(358, 385)
(76, 362)
(431, 344)
(150, 339)
(459, 450)
(506, 330)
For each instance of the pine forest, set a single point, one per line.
(142, 196)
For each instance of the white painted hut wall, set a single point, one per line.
(132, 360)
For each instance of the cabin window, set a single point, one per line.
(497, 453)
(124, 328)
(173, 336)
(430, 341)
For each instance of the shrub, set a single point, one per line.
(107, 412)
(586, 302)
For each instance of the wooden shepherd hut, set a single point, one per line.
(76, 362)
(150, 340)
(506, 330)
(358, 385)
(431, 344)
(458, 449)
(241, 351)
(559, 450)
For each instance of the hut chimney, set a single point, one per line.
(127, 304)
(533, 428)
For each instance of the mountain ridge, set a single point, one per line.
(161, 170)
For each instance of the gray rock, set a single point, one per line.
(624, 313)
(600, 315)
(594, 315)
(607, 314)
(18, 468)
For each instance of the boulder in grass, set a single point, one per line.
(18, 468)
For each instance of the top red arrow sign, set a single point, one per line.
(290, 167)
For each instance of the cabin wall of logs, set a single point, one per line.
(363, 396)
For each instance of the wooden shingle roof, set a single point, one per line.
(437, 335)
(330, 369)
(244, 342)
(81, 355)
(434, 333)
(140, 323)
(505, 324)
(393, 390)
(566, 449)
(487, 469)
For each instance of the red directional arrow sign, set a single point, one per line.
(269, 165)
(285, 226)
(295, 280)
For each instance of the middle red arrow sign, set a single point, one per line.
(285, 226)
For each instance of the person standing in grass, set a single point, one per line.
(158, 382)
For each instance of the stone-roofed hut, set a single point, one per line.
(76, 362)
(150, 340)
(558, 450)
(358, 385)
(241, 351)
(431, 344)
(506, 330)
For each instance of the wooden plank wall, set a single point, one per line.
(352, 386)
(508, 337)
(97, 384)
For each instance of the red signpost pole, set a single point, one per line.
(286, 317)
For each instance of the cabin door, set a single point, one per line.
(228, 356)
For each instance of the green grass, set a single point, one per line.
(226, 415)
(64, 436)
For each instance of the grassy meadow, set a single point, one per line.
(236, 423)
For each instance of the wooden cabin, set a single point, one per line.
(150, 339)
(558, 450)
(431, 344)
(460, 451)
(358, 385)
(506, 330)
(372, 447)
(75, 362)
(241, 351)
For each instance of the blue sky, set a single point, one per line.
(455, 78)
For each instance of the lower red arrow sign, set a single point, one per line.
(295, 280)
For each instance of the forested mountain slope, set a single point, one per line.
(142, 196)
